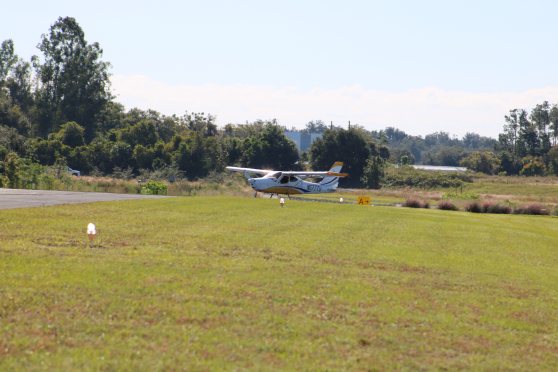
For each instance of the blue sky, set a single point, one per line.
(245, 60)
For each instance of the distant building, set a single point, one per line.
(303, 141)
(437, 168)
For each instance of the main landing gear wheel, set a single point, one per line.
(255, 194)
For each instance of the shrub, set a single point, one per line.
(489, 207)
(474, 207)
(415, 203)
(410, 177)
(499, 209)
(533, 209)
(533, 166)
(447, 205)
(453, 195)
(486, 206)
(154, 188)
(480, 161)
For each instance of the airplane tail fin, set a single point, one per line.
(333, 181)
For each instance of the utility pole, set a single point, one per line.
(331, 127)
(349, 125)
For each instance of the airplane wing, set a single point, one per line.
(264, 171)
(322, 174)
(251, 170)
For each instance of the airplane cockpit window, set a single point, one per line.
(285, 179)
(293, 179)
(274, 175)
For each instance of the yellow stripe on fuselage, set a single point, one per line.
(281, 190)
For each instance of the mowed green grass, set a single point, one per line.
(513, 186)
(225, 283)
(502, 188)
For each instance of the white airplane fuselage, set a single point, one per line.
(290, 185)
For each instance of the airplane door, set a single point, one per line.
(294, 182)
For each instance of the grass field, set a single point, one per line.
(535, 187)
(515, 190)
(222, 283)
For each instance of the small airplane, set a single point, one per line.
(291, 183)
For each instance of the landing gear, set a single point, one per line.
(271, 196)
(255, 194)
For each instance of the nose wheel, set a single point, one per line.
(255, 194)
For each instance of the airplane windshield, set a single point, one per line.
(274, 175)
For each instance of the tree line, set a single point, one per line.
(528, 144)
(438, 148)
(58, 108)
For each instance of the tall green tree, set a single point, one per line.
(540, 117)
(528, 142)
(352, 147)
(315, 126)
(480, 161)
(7, 59)
(553, 117)
(373, 173)
(75, 81)
(270, 149)
(19, 85)
(199, 122)
(71, 134)
(511, 129)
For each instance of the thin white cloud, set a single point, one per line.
(417, 111)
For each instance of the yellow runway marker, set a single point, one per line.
(363, 200)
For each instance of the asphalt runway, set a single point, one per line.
(14, 198)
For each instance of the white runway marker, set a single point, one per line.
(91, 232)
